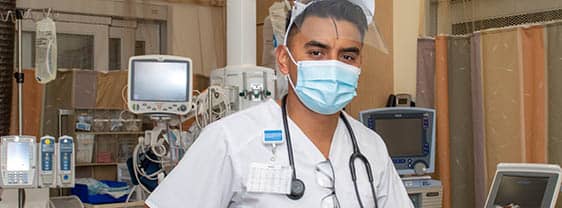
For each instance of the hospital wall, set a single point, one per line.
(406, 28)
(199, 32)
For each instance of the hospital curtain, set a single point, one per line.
(554, 65)
(425, 73)
(534, 93)
(555, 93)
(460, 122)
(442, 111)
(478, 124)
(492, 89)
(514, 96)
(501, 76)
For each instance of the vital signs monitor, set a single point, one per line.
(409, 134)
(160, 84)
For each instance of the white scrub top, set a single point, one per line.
(214, 171)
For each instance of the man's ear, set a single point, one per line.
(282, 58)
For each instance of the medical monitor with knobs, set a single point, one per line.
(525, 186)
(160, 84)
(18, 162)
(409, 135)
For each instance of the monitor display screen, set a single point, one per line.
(521, 191)
(403, 136)
(18, 154)
(160, 81)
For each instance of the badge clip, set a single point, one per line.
(273, 138)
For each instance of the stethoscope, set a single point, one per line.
(298, 187)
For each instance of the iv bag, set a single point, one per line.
(45, 51)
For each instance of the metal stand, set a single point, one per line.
(173, 151)
(162, 124)
(19, 80)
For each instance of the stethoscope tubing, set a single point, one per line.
(354, 156)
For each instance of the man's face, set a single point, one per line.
(322, 39)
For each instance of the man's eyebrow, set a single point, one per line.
(314, 43)
(351, 50)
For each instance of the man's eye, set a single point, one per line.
(315, 53)
(348, 58)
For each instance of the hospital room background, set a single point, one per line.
(491, 70)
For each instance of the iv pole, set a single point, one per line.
(19, 80)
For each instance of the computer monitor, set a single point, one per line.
(409, 135)
(524, 185)
(160, 84)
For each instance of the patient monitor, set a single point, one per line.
(160, 84)
(409, 134)
(524, 185)
(18, 161)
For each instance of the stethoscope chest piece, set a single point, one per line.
(297, 189)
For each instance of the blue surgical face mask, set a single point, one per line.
(325, 86)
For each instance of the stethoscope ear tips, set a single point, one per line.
(297, 189)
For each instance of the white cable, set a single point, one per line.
(135, 168)
(8, 16)
(124, 97)
(138, 171)
(129, 196)
(151, 159)
(205, 116)
(159, 149)
(182, 144)
(28, 14)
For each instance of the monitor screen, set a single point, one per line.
(160, 81)
(18, 156)
(403, 136)
(521, 191)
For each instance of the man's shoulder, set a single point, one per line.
(257, 114)
(362, 130)
(245, 124)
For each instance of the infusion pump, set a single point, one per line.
(18, 162)
(24, 163)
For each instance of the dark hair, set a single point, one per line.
(337, 9)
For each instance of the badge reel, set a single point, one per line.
(270, 177)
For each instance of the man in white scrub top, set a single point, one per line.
(243, 160)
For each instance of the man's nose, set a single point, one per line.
(332, 55)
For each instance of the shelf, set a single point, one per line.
(95, 164)
(100, 109)
(116, 205)
(111, 132)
